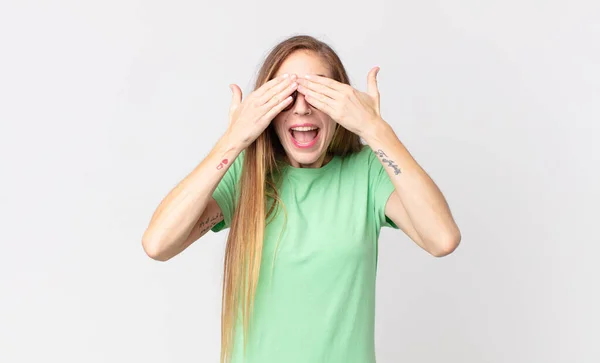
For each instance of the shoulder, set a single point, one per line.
(364, 162)
(360, 159)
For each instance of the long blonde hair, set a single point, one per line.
(259, 182)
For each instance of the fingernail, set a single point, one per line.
(286, 75)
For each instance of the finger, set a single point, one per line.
(327, 91)
(372, 88)
(325, 107)
(316, 95)
(274, 91)
(270, 84)
(325, 81)
(279, 97)
(270, 115)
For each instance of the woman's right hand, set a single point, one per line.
(248, 119)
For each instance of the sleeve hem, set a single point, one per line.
(385, 194)
(220, 199)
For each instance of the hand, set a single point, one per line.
(354, 110)
(248, 119)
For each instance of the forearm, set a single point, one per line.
(423, 201)
(179, 211)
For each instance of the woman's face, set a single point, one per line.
(304, 131)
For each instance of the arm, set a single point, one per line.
(420, 208)
(417, 206)
(182, 216)
(185, 214)
(210, 217)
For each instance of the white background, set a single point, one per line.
(105, 106)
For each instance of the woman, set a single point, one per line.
(305, 202)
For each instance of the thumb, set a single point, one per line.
(372, 88)
(236, 97)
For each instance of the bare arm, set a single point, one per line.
(181, 217)
(419, 208)
(210, 217)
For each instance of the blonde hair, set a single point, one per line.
(259, 181)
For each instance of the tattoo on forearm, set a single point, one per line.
(225, 161)
(209, 222)
(222, 164)
(387, 160)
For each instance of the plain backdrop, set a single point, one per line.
(105, 106)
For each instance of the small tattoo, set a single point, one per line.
(390, 162)
(205, 230)
(209, 222)
(216, 217)
(222, 164)
(380, 153)
(203, 222)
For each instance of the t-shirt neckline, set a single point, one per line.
(312, 171)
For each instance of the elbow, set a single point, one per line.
(152, 248)
(446, 245)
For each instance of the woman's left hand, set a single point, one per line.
(356, 111)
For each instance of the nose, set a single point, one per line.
(301, 106)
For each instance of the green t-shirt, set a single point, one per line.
(318, 305)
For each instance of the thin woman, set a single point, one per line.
(304, 200)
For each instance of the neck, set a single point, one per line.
(320, 162)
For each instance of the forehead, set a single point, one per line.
(303, 62)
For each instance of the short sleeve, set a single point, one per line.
(226, 193)
(381, 188)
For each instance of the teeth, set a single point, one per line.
(306, 128)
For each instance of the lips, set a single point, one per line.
(306, 124)
(304, 137)
(304, 134)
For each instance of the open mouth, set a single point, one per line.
(305, 136)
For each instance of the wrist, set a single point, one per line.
(377, 130)
(231, 141)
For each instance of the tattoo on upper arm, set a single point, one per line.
(390, 162)
(209, 222)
